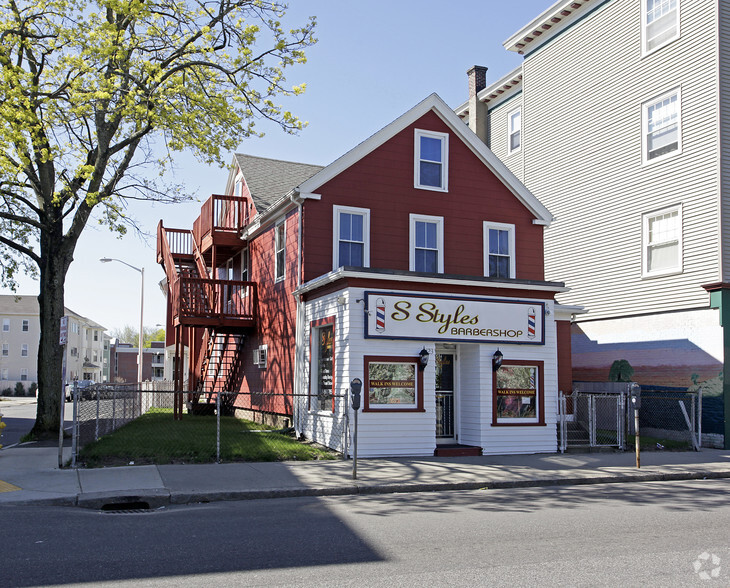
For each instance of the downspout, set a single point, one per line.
(298, 329)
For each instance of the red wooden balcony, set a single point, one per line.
(220, 222)
(224, 304)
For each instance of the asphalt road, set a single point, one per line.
(19, 416)
(647, 534)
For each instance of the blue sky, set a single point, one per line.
(374, 60)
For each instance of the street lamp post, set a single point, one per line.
(141, 313)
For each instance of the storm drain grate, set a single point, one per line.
(127, 508)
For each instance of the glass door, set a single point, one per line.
(445, 432)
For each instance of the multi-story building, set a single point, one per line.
(124, 362)
(20, 336)
(616, 120)
(413, 264)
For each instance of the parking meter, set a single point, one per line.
(636, 396)
(355, 388)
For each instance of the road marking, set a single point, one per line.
(8, 487)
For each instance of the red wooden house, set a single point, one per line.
(414, 262)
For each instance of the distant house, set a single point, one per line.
(20, 336)
(413, 263)
(616, 121)
(123, 362)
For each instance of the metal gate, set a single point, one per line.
(592, 419)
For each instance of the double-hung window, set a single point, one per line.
(351, 246)
(6, 325)
(24, 374)
(26, 325)
(431, 160)
(6, 349)
(662, 237)
(279, 250)
(660, 23)
(499, 250)
(515, 131)
(24, 350)
(426, 244)
(662, 126)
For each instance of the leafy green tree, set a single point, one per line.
(86, 89)
(128, 334)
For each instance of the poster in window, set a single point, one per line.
(392, 385)
(325, 348)
(517, 392)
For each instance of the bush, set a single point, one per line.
(8, 392)
(33, 389)
(19, 389)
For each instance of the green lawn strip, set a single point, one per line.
(608, 437)
(156, 438)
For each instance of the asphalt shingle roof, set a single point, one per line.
(270, 179)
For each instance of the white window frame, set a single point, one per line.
(644, 25)
(279, 272)
(23, 374)
(444, 138)
(6, 350)
(4, 374)
(24, 350)
(645, 126)
(245, 268)
(439, 221)
(365, 213)
(511, 131)
(6, 325)
(25, 325)
(512, 257)
(646, 217)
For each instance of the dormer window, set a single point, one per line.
(660, 23)
(431, 160)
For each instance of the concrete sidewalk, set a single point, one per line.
(30, 475)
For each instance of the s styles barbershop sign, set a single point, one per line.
(392, 315)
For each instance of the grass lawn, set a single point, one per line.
(156, 438)
(607, 437)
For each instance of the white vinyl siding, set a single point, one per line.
(660, 23)
(592, 179)
(724, 134)
(498, 134)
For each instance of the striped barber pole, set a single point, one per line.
(380, 315)
(531, 323)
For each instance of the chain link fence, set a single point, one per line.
(124, 424)
(600, 414)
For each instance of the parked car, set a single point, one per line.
(82, 385)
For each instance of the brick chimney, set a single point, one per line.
(477, 109)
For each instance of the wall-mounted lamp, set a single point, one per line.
(423, 361)
(497, 360)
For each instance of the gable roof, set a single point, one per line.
(270, 179)
(451, 119)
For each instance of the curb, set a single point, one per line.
(164, 497)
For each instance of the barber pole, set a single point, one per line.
(531, 323)
(380, 315)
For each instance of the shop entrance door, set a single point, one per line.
(445, 405)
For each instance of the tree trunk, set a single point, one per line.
(50, 352)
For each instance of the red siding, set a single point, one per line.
(383, 182)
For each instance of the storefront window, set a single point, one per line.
(518, 393)
(323, 365)
(393, 384)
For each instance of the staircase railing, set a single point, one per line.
(220, 299)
